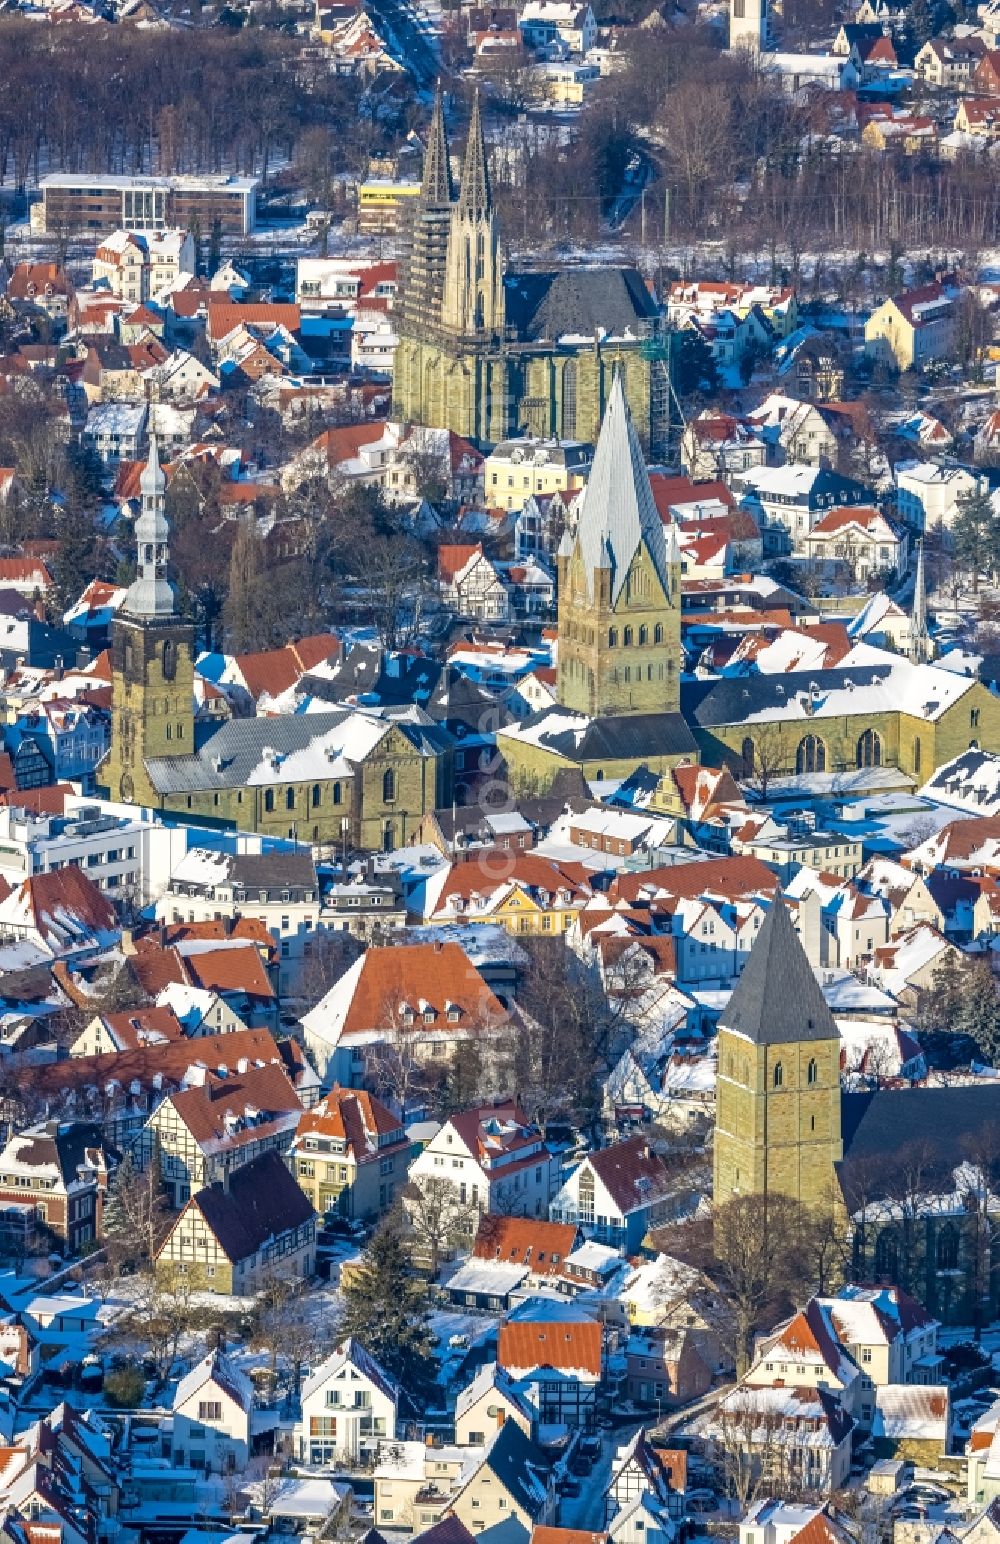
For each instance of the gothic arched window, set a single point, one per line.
(169, 660)
(812, 1071)
(779, 1075)
(627, 637)
(886, 1256)
(289, 798)
(870, 749)
(388, 786)
(612, 637)
(658, 633)
(947, 1247)
(269, 800)
(811, 754)
(644, 634)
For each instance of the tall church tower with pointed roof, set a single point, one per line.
(619, 586)
(778, 1098)
(152, 648)
(473, 288)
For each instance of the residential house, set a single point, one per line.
(415, 1485)
(471, 583)
(497, 1160)
(717, 445)
(41, 286)
(542, 21)
(616, 1194)
(486, 1403)
(53, 1181)
(349, 1155)
(861, 539)
(640, 1469)
(127, 1031)
(518, 470)
(979, 117)
(136, 265)
(60, 915)
(231, 1238)
(211, 1417)
(281, 887)
(350, 1407)
(553, 1353)
(428, 995)
(513, 1483)
(986, 76)
(906, 133)
(522, 891)
(949, 62)
(220, 1122)
(801, 1436)
(912, 329)
(665, 1367)
(789, 500)
(929, 493)
(115, 431)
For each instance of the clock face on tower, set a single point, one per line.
(126, 788)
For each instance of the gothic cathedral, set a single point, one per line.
(489, 353)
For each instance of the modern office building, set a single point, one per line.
(88, 202)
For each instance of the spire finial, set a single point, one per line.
(475, 196)
(919, 638)
(436, 186)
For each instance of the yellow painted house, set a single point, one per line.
(523, 892)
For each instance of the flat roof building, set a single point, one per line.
(90, 202)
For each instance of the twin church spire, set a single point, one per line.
(455, 248)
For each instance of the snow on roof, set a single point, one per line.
(489, 1277)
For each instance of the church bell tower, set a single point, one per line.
(152, 650)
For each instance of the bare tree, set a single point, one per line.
(438, 1216)
(763, 758)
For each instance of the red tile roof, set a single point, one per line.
(440, 975)
(543, 1246)
(524, 1346)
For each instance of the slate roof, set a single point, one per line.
(624, 737)
(878, 1128)
(578, 301)
(239, 746)
(619, 511)
(263, 1201)
(777, 1000)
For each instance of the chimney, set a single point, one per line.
(161, 935)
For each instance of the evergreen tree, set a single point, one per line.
(975, 536)
(385, 1309)
(135, 1212)
(978, 1013)
(215, 247)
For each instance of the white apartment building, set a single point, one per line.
(124, 851)
(137, 264)
(928, 492)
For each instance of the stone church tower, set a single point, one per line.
(472, 304)
(619, 586)
(152, 701)
(778, 1097)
